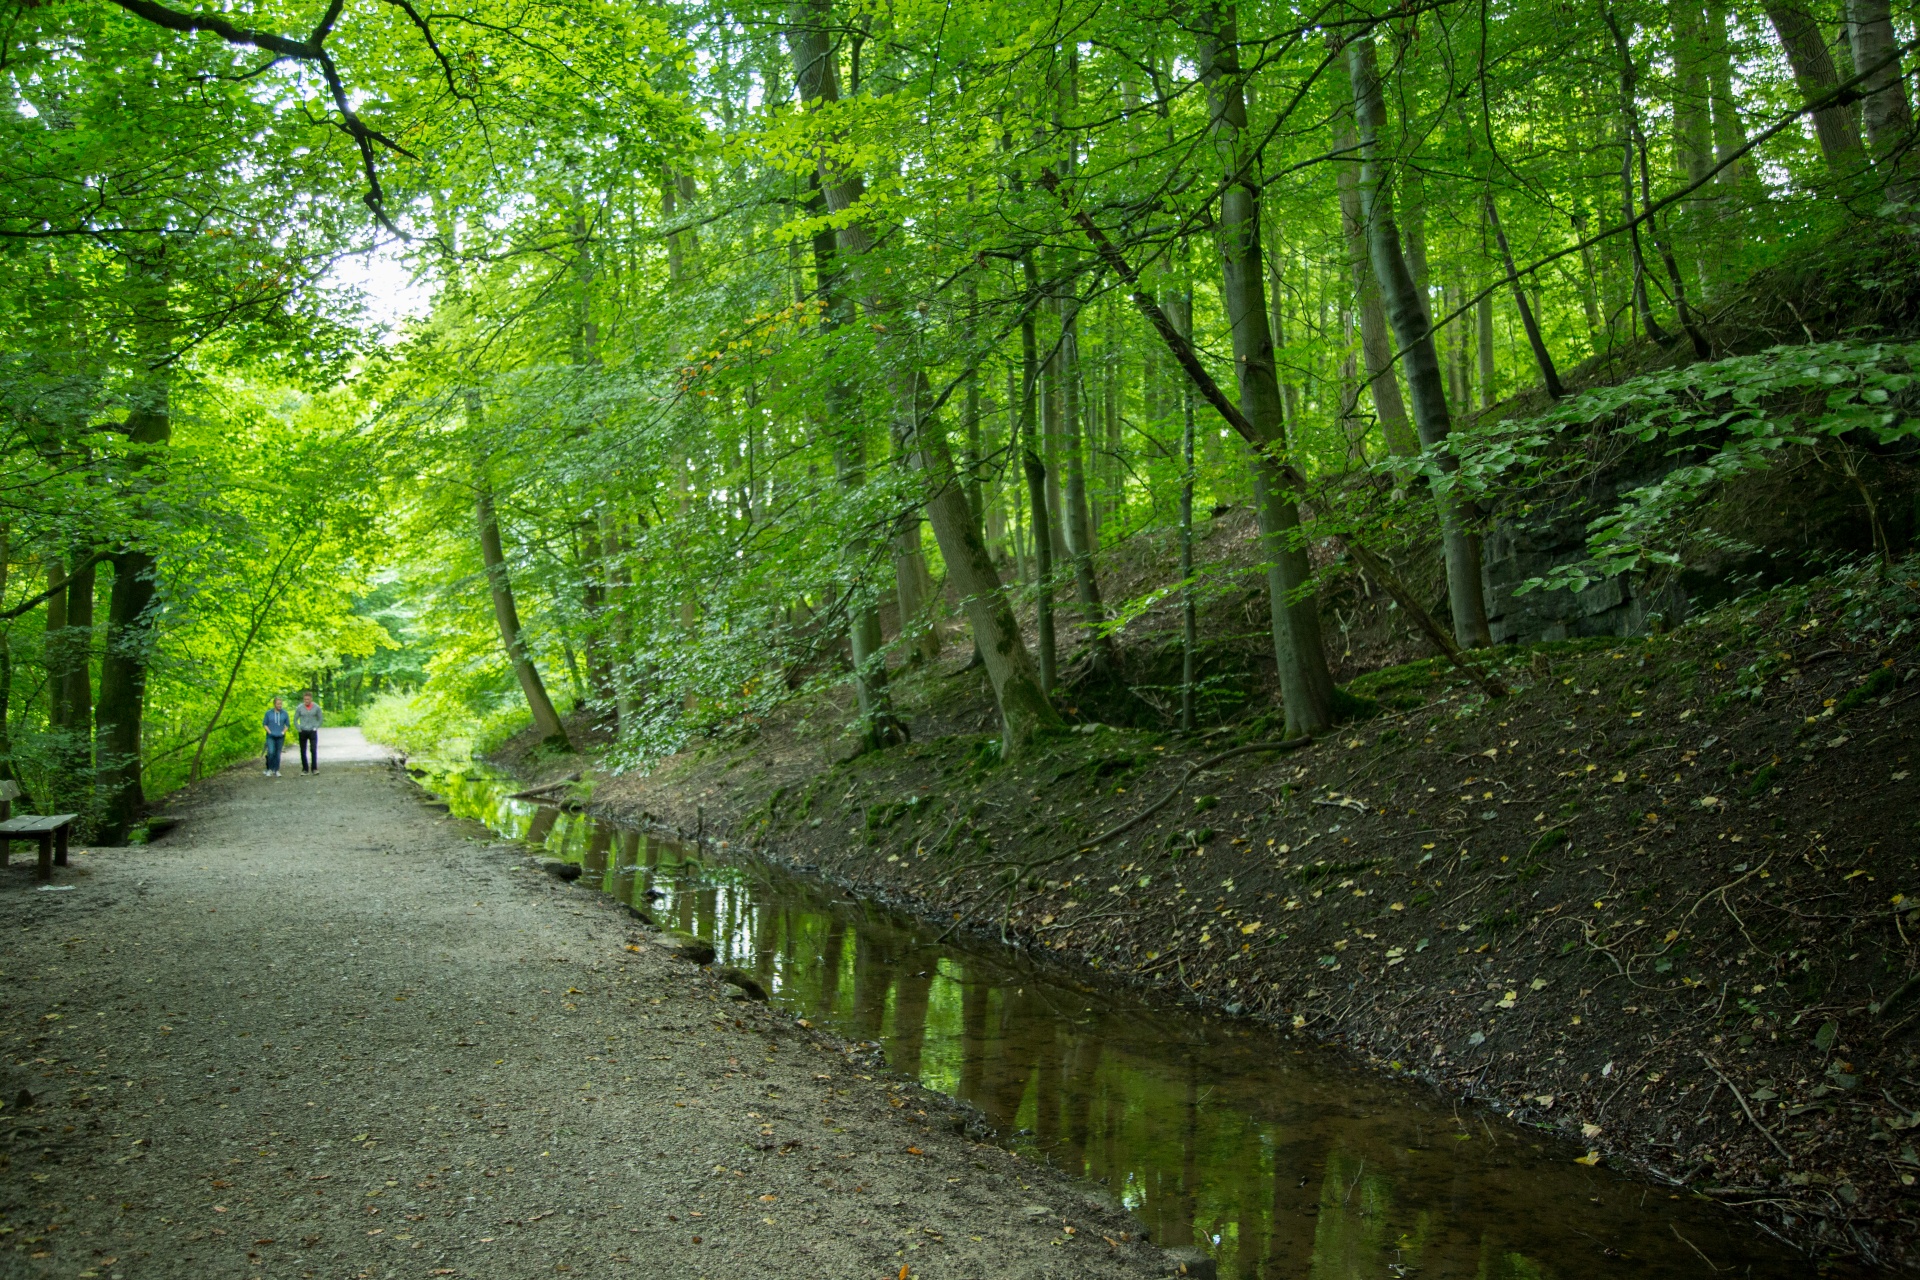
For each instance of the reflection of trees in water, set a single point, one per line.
(973, 1037)
(833, 950)
(912, 993)
(1353, 1235)
(872, 979)
(1203, 1132)
(626, 854)
(541, 827)
(594, 862)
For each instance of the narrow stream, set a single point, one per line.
(1280, 1161)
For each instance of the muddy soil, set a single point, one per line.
(1656, 900)
(322, 1029)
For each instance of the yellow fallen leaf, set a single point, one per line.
(1589, 1131)
(1619, 777)
(1591, 1158)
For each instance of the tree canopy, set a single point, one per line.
(730, 306)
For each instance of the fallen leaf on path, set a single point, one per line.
(1591, 1158)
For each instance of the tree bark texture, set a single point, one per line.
(1024, 707)
(1034, 472)
(1106, 656)
(1407, 311)
(7, 771)
(129, 644)
(1306, 684)
(1025, 710)
(1692, 92)
(1542, 359)
(1189, 619)
(1729, 135)
(1812, 64)
(819, 85)
(507, 614)
(1376, 344)
(1884, 110)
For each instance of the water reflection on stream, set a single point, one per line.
(1278, 1160)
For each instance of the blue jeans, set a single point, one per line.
(274, 743)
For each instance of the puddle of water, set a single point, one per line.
(1279, 1161)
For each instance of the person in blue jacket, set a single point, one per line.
(276, 724)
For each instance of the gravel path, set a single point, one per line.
(323, 1030)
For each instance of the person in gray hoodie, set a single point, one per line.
(275, 722)
(306, 718)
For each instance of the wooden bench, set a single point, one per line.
(49, 829)
(9, 792)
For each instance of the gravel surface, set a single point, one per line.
(322, 1029)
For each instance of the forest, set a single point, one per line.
(725, 311)
(601, 386)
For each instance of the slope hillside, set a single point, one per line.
(1656, 899)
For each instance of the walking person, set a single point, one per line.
(276, 722)
(306, 718)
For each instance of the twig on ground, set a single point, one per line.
(1741, 1099)
(1694, 1246)
(1279, 744)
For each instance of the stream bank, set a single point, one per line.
(1270, 1156)
(1653, 902)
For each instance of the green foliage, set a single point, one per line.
(1728, 417)
(697, 339)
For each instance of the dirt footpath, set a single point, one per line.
(323, 1030)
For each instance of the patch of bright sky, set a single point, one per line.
(386, 286)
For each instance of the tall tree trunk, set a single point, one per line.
(1110, 359)
(1483, 351)
(589, 545)
(1884, 110)
(130, 623)
(1412, 329)
(970, 414)
(1637, 153)
(1048, 448)
(1024, 706)
(1692, 90)
(1376, 344)
(69, 656)
(913, 586)
(1035, 473)
(1543, 360)
(1306, 684)
(7, 771)
(1189, 613)
(1729, 135)
(54, 641)
(77, 674)
(913, 580)
(819, 86)
(1106, 657)
(507, 614)
(1812, 64)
